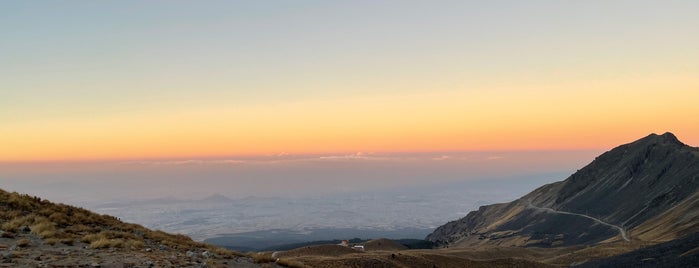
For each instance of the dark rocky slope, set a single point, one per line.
(683, 252)
(645, 190)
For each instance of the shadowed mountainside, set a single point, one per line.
(683, 252)
(644, 190)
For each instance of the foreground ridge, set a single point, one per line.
(35, 232)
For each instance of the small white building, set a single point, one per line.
(358, 247)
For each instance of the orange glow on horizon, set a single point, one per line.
(532, 117)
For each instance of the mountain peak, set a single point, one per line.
(666, 138)
(669, 135)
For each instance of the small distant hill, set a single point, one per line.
(383, 244)
(642, 191)
(35, 232)
(319, 250)
(216, 198)
(311, 243)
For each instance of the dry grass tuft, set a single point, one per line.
(89, 238)
(262, 257)
(15, 223)
(23, 243)
(291, 263)
(225, 253)
(80, 229)
(59, 218)
(107, 243)
(43, 228)
(51, 241)
(134, 244)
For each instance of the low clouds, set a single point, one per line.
(184, 162)
(286, 158)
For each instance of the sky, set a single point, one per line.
(134, 80)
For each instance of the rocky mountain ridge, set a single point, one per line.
(645, 190)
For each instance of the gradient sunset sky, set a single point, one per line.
(88, 80)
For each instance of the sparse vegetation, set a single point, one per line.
(225, 253)
(23, 243)
(291, 263)
(51, 241)
(104, 242)
(44, 228)
(134, 244)
(26, 218)
(15, 223)
(262, 257)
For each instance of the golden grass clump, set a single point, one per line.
(51, 241)
(43, 228)
(16, 223)
(46, 211)
(118, 234)
(104, 242)
(80, 229)
(171, 240)
(261, 257)
(291, 263)
(134, 244)
(19, 201)
(88, 238)
(225, 253)
(113, 239)
(23, 243)
(10, 214)
(59, 218)
(130, 227)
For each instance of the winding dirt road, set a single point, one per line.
(621, 230)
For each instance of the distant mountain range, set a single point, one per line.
(642, 191)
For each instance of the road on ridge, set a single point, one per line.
(621, 230)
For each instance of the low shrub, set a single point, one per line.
(51, 241)
(291, 263)
(261, 257)
(23, 243)
(43, 228)
(107, 243)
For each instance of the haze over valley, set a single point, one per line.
(208, 198)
